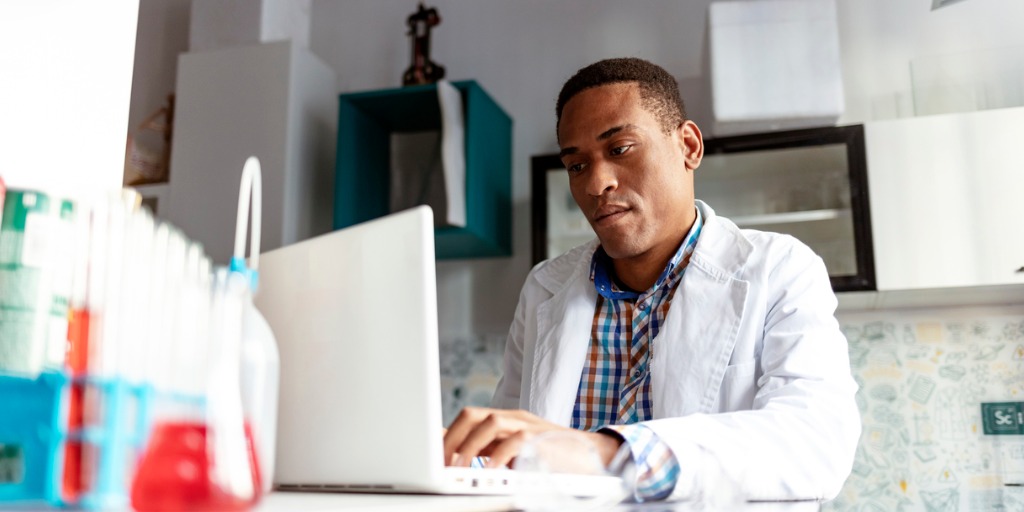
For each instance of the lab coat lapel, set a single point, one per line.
(563, 332)
(694, 346)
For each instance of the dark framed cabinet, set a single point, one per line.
(811, 184)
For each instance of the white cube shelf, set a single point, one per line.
(275, 101)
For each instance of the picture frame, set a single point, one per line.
(557, 223)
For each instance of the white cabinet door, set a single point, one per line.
(947, 199)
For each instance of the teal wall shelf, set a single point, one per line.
(366, 121)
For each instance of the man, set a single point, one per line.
(674, 332)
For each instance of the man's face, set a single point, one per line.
(633, 181)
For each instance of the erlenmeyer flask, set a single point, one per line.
(201, 455)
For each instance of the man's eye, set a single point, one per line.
(616, 151)
(575, 168)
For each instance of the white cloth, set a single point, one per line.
(750, 364)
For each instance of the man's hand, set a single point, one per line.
(500, 434)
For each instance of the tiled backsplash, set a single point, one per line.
(923, 375)
(470, 368)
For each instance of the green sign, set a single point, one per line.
(1003, 418)
(12, 464)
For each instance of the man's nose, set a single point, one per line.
(602, 179)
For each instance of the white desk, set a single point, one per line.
(326, 502)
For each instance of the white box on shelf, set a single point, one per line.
(276, 101)
(215, 24)
(774, 65)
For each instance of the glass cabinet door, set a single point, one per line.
(811, 184)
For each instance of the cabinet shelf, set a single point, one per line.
(154, 195)
(791, 217)
(152, 189)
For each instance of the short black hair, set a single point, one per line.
(659, 91)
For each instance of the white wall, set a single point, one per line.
(879, 38)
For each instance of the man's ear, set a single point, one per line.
(692, 143)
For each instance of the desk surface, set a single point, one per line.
(325, 502)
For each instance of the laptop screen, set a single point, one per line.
(354, 313)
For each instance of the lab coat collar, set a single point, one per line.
(556, 272)
(695, 345)
(710, 300)
(722, 247)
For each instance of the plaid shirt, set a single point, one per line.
(615, 389)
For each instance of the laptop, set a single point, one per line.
(354, 313)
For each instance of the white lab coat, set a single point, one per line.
(750, 364)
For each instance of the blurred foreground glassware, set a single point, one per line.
(713, 486)
(260, 365)
(176, 473)
(566, 454)
(202, 454)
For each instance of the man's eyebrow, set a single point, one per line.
(613, 130)
(604, 136)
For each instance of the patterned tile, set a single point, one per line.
(922, 381)
(469, 372)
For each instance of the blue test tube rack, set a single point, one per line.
(34, 434)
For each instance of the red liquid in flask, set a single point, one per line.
(174, 474)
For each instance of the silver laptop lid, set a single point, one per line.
(355, 317)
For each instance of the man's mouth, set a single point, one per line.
(609, 214)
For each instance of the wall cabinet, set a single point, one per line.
(807, 183)
(947, 197)
(367, 123)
